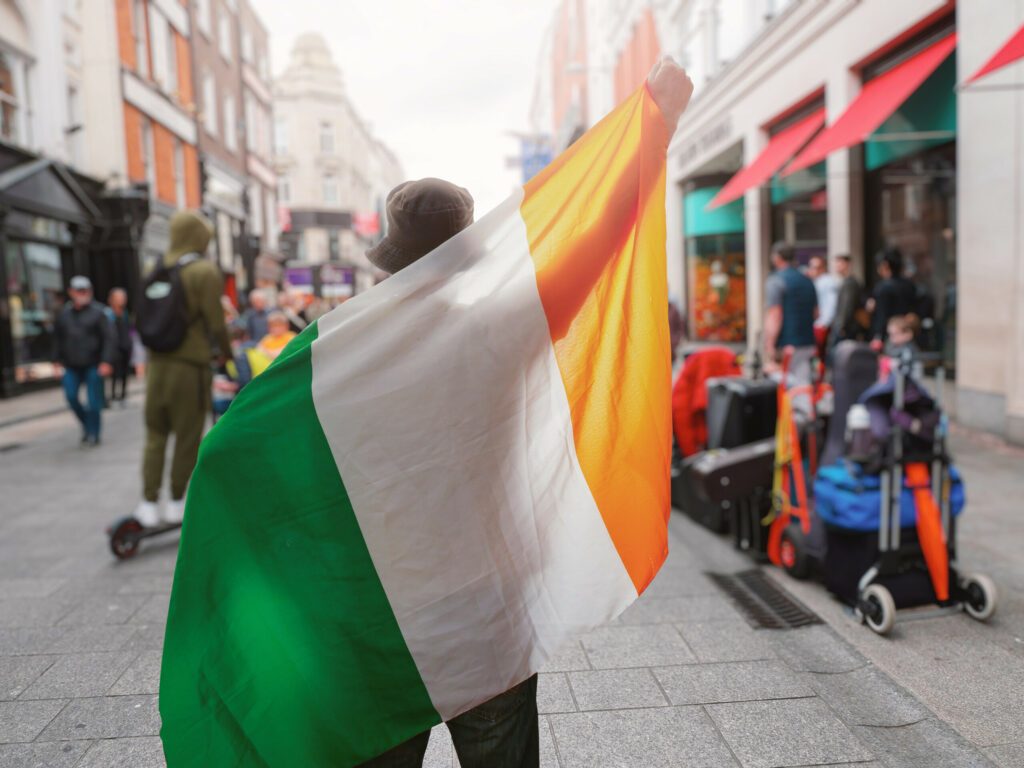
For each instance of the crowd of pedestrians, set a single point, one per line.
(811, 309)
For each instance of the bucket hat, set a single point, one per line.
(421, 215)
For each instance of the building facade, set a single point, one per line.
(333, 174)
(778, 145)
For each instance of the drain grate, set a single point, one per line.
(762, 602)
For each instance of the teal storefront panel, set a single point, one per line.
(930, 110)
(698, 221)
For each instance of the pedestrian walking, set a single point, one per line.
(893, 295)
(792, 306)
(826, 286)
(178, 382)
(117, 305)
(86, 350)
(254, 319)
(847, 322)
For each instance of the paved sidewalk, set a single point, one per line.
(680, 680)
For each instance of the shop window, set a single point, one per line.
(34, 298)
(715, 268)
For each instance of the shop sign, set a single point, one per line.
(299, 279)
(705, 142)
(337, 281)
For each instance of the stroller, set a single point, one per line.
(890, 518)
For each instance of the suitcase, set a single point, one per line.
(686, 498)
(740, 411)
(731, 489)
(854, 370)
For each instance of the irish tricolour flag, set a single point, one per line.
(438, 483)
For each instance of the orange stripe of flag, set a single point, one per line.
(595, 220)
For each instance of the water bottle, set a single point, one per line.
(859, 443)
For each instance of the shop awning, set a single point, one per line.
(781, 147)
(875, 104)
(1009, 53)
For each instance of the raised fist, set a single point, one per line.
(671, 88)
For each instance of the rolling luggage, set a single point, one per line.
(731, 489)
(740, 411)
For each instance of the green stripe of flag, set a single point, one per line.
(281, 647)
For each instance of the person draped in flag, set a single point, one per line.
(382, 578)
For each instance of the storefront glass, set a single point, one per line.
(800, 212)
(910, 184)
(715, 268)
(35, 287)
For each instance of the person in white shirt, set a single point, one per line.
(827, 287)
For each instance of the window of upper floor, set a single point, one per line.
(280, 136)
(203, 17)
(230, 124)
(210, 104)
(327, 137)
(224, 36)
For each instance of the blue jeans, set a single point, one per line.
(500, 733)
(74, 378)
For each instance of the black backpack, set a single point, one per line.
(162, 313)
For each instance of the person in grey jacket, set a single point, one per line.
(86, 350)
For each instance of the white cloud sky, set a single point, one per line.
(439, 82)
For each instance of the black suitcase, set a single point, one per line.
(740, 411)
(730, 488)
(686, 498)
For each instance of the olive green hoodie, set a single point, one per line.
(203, 284)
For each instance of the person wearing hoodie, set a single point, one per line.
(178, 382)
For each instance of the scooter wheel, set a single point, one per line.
(981, 596)
(124, 540)
(878, 609)
(793, 552)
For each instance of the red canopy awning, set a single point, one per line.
(781, 147)
(1009, 53)
(875, 104)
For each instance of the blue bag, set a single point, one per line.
(846, 497)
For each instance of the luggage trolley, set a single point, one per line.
(897, 579)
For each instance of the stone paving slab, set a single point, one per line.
(927, 744)
(668, 737)
(108, 717)
(643, 646)
(139, 752)
(668, 610)
(90, 639)
(18, 672)
(616, 689)
(142, 677)
(787, 732)
(554, 694)
(729, 682)
(726, 640)
(45, 754)
(866, 697)
(568, 659)
(1007, 755)
(79, 676)
(25, 720)
(103, 609)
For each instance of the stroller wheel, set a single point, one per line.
(878, 609)
(981, 596)
(124, 540)
(793, 552)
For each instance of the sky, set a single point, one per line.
(441, 83)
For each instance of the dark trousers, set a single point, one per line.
(119, 379)
(88, 415)
(500, 733)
